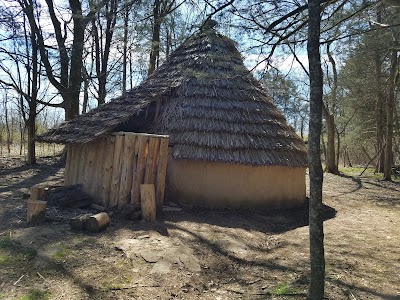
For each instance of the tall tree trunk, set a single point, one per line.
(8, 130)
(379, 99)
(75, 78)
(130, 70)
(317, 257)
(337, 149)
(390, 108)
(33, 102)
(68, 81)
(21, 135)
(379, 114)
(323, 146)
(85, 78)
(111, 16)
(102, 54)
(331, 165)
(155, 40)
(168, 42)
(32, 135)
(125, 49)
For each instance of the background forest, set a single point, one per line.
(61, 58)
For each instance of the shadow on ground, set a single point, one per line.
(267, 221)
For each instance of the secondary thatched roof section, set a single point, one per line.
(207, 101)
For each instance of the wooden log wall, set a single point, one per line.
(111, 169)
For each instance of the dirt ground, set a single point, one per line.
(200, 254)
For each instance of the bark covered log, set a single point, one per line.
(79, 222)
(317, 258)
(98, 222)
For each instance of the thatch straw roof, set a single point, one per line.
(207, 101)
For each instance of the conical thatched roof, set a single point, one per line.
(207, 101)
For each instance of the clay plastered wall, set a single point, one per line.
(213, 185)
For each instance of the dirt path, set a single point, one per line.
(201, 254)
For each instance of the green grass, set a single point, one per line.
(61, 253)
(35, 294)
(282, 289)
(369, 173)
(12, 253)
(6, 242)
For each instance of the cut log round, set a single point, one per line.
(36, 210)
(79, 222)
(97, 222)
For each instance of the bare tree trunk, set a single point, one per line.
(390, 108)
(75, 78)
(102, 54)
(68, 81)
(33, 102)
(348, 158)
(337, 149)
(168, 42)
(317, 258)
(331, 165)
(130, 70)
(31, 136)
(21, 134)
(379, 100)
(125, 52)
(1, 139)
(8, 130)
(85, 78)
(323, 146)
(155, 40)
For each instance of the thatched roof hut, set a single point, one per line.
(225, 132)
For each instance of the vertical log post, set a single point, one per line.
(116, 173)
(67, 171)
(126, 170)
(107, 171)
(98, 167)
(140, 169)
(161, 173)
(148, 202)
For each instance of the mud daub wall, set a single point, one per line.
(112, 168)
(217, 185)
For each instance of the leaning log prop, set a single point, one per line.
(148, 202)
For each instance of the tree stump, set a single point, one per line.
(148, 202)
(97, 222)
(36, 210)
(37, 192)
